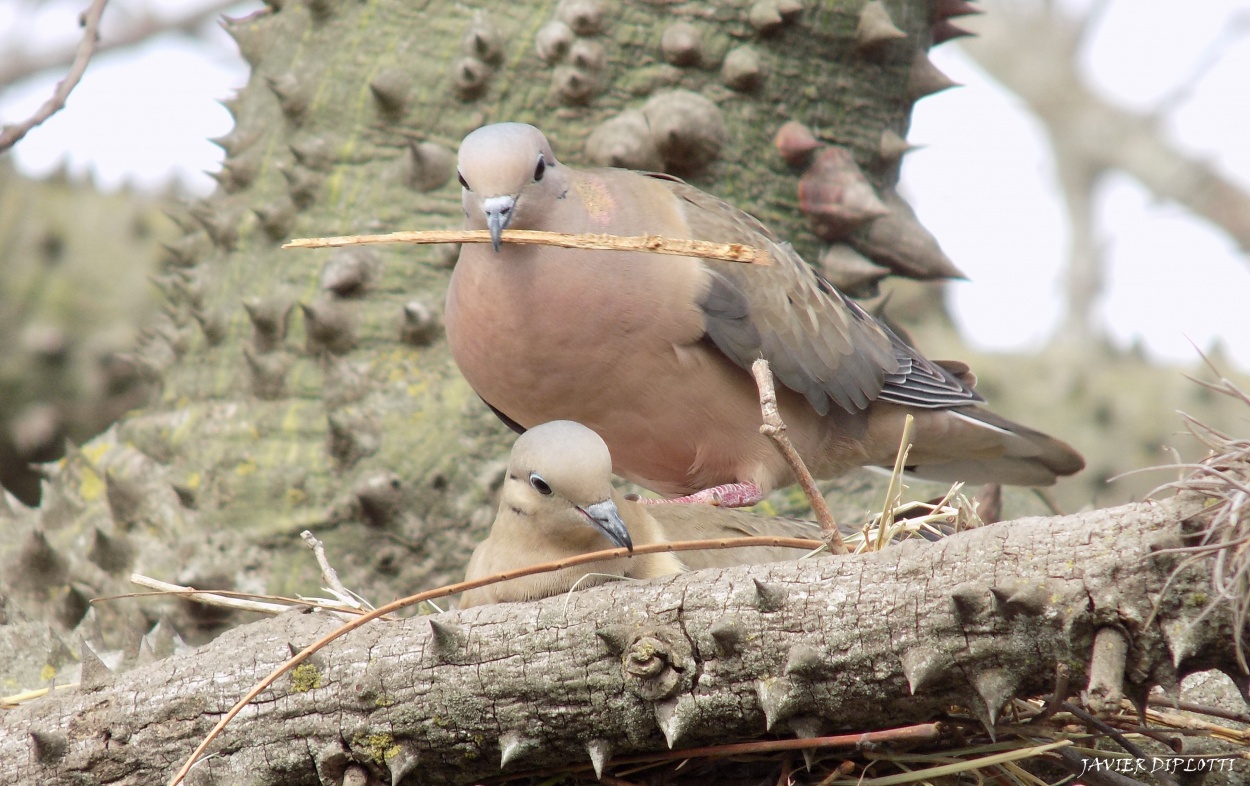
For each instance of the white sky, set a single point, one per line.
(983, 185)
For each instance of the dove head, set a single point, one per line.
(559, 480)
(507, 171)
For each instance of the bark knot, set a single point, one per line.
(658, 664)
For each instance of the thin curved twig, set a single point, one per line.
(90, 19)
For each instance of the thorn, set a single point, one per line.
(836, 196)
(187, 250)
(1183, 639)
(469, 78)
(925, 79)
(945, 9)
(164, 640)
(769, 597)
(682, 44)
(923, 668)
(427, 166)
(448, 639)
(351, 436)
(314, 152)
(381, 496)
(329, 326)
(49, 747)
(39, 565)
(1138, 696)
(276, 218)
(624, 140)
(574, 85)
(600, 754)
(944, 31)
(850, 271)
(805, 728)
(94, 674)
(267, 373)
(553, 41)
(689, 130)
(776, 698)
(803, 661)
(1021, 597)
(995, 687)
(512, 747)
(899, 242)
(302, 184)
(292, 95)
(392, 88)
(727, 633)
(893, 147)
(483, 40)
(968, 599)
(617, 638)
(743, 68)
(674, 717)
(875, 28)
(764, 17)
(125, 498)
(351, 271)
(403, 762)
(796, 143)
(270, 317)
(584, 17)
(420, 325)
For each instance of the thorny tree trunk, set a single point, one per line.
(313, 389)
(811, 647)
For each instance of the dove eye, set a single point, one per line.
(539, 484)
(463, 183)
(540, 169)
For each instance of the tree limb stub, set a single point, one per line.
(883, 639)
(725, 252)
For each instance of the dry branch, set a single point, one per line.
(11, 134)
(775, 428)
(888, 638)
(726, 252)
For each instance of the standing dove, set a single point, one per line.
(653, 352)
(557, 501)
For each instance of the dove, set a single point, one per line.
(558, 501)
(652, 352)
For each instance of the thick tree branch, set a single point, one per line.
(817, 646)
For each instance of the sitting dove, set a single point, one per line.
(557, 502)
(653, 352)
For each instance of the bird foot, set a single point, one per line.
(730, 495)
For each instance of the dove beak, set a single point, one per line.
(605, 517)
(499, 212)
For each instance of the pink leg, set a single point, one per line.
(730, 495)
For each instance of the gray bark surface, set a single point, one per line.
(831, 643)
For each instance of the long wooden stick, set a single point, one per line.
(726, 252)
